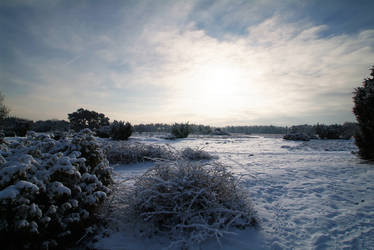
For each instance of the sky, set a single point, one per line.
(238, 62)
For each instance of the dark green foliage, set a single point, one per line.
(322, 131)
(104, 132)
(83, 118)
(364, 111)
(14, 126)
(50, 125)
(329, 132)
(349, 130)
(296, 137)
(180, 130)
(256, 129)
(4, 111)
(121, 130)
(152, 127)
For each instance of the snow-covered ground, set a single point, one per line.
(308, 195)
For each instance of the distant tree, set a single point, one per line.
(14, 126)
(180, 130)
(50, 125)
(364, 111)
(121, 130)
(4, 110)
(349, 130)
(83, 118)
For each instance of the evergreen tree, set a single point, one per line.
(83, 118)
(364, 111)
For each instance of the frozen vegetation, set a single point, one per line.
(307, 195)
(51, 191)
(189, 202)
(199, 192)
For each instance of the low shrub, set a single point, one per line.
(180, 130)
(138, 152)
(51, 191)
(196, 154)
(120, 130)
(189, 202)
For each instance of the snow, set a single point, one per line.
(308, 195)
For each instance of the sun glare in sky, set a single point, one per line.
(212, 62)
(213, 88)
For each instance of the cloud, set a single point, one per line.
(285, 69)
(151, 62)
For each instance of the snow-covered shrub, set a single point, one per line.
(364, 111)
(180, 130)
(120, 130)
(190, 202)
(57, 135)
(123, 152)
(50, 191)
(196, 154)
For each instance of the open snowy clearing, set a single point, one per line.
(308, 195)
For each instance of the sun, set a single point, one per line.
(214, 88)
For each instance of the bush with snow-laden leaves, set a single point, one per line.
(51, 191)
(190, 202)
(196, 154)
(125, 153)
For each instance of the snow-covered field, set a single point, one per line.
(308, 195)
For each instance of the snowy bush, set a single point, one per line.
(196, 154)
(180, 130)
(57, 135)
(364, 110)
(123, 152)
(120, 130)
(50, 191)
(189, 202)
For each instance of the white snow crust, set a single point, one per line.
(308, 195)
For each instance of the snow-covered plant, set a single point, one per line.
(120, 130)
(190, 202)
(196, 154)
(180, 130)
(123, 152)
(364, 110)
(50, 191)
